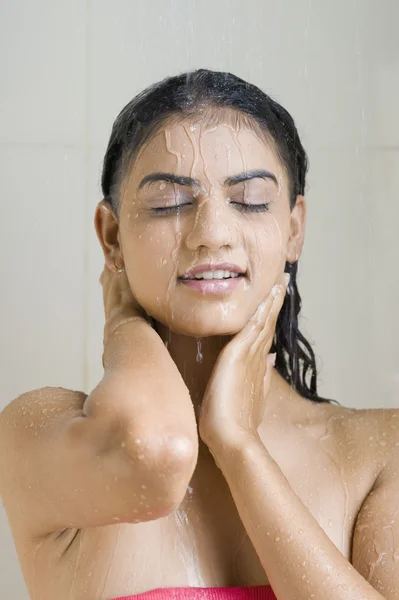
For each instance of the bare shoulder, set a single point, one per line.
(45, 403)
(372, 434)
(30, 417)
(381, 425)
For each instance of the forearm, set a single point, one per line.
(299, 559)
(142, 391)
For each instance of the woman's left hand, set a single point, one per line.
(234, 399)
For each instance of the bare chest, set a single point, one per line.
(204, 543)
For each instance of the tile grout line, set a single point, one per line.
(86, 212)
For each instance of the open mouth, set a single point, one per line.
(214, 283)
(215, 275)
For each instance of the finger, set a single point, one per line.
(266, 335)
(270, 362)
(255, 331)
(253, 328)
(286, 280)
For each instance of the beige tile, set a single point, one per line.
(42, 266)
(383, 329)
(334, 280)
(43, 71)
(310, 57)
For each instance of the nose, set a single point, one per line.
(213, 227)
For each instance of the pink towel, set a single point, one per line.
(255, 592)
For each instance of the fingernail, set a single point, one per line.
(287, 278)
(273, 359)
(275, 290)
(260, 308)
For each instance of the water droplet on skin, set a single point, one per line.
(199, 356)
(276, 539)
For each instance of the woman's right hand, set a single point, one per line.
(119, 302)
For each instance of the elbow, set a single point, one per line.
(176, 468)
(165, 465)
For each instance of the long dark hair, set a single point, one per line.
(190, 94)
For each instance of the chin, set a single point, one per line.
(205, 327)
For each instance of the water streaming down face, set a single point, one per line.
(214, 223)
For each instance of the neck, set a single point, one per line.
(195, 358)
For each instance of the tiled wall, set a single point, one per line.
(67, 69)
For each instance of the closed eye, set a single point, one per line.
(252, 207)
(242, 207)
(169, 209)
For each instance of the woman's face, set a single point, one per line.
(167, 227)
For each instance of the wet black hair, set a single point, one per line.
(201, 92)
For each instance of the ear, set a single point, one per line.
(107, 228)
(297, 230)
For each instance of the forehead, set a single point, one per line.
(206, 151)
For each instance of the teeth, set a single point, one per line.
(215, 275)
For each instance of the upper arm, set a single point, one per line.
(375, 550)
(55, 473)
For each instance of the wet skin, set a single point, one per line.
(330, 455)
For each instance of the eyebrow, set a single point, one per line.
(190, 182)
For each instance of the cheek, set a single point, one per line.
(267, 246)
(149, 261)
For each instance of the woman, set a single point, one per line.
(204, 458)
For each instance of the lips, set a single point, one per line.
(212, 287)
(233, 268)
